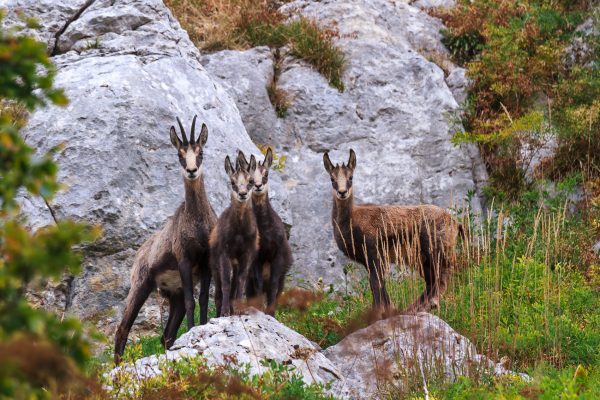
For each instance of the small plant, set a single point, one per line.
(95, 44)
(239, 24)
(278, 159)
(279, 99)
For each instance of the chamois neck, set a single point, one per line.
(241, 208)
(342, 209)
(196, 201)
(261, 200)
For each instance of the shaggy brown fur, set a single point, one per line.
(234, 241)
(274, 255)
(175, 258)
(377, 235)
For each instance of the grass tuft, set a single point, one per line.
(240, 24)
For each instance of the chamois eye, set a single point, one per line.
(332, 180)
(350, 179)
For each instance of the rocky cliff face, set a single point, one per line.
(128, 69)
(396, 112)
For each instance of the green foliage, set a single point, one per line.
(192, 378)
(515, 55)
(307, 41)
(548, 383)
(26, 77)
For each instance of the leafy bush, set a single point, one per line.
(515, 54)
(40, 352)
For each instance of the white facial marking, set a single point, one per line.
(190, 159)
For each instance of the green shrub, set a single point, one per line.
(33, 340)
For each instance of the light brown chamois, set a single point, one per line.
(175, 258)
(274, 258)
(234, 241)
(377, 235)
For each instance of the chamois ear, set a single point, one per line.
(229, 167)
(268, 159)
(203, 135)
(352, 160)
(174, 139)
(241, 160)
(327, 162)
(252, 166)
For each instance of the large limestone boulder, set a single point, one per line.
(379, 361)
(128, 70)
(244, 340)
(398, 112)
(391, 355)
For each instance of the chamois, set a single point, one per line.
(175, 258)
(274, 254)
(376, 235)
(234, 240)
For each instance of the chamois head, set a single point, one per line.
(261, 173)
(190, 152)
(341, 175)
(242, 179)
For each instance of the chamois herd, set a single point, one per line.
(246, 249)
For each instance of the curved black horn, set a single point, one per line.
(185, 141)
(192, 138)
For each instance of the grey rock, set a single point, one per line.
(397, 112)
(247, 72)
(242, 340)
(378, 361)
(426, 4)
(117, 163)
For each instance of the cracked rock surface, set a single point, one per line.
(128, 70)
(398, 112)
(371, 363)
(245, 340)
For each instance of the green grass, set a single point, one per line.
(526, 289)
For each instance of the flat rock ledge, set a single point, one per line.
(373, 362)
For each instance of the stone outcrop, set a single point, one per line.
(398, 112)
(244, 340)
(128, 70)
(379, 361)
(404, 352)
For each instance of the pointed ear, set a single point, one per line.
(228, 166)
(268, 159)
(252, 166)
(241, 159)
(327, 162)
(203, 135)
(174, 139)
(352, 160)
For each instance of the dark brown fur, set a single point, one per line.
(268, 272)
(175, 258)
(234, 241)
(377, 235)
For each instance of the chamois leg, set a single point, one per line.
(381, 299)
(275, 283)
(441, 271)
(176, 314)
(185, 271)
(203, 299)
(254, 287)
(241, 278)
(225, 286)
(138, 293)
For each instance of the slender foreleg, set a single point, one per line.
(138, 293)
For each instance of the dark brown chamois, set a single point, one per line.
(175, 258)
(274, 258)
(234, 241)
(377, 235)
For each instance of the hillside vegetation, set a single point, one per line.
(527, 286)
